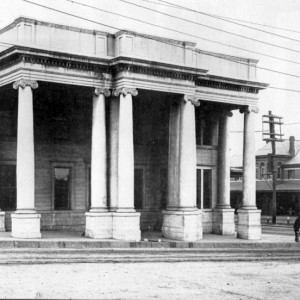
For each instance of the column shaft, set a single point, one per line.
(182, 219)
(98, 156)
(249, 180)
(25, 221)
(223, 200)
(249, 218)
(182, 157)
(25, 151)
(125, 155)
(188, 160)
(113, 151)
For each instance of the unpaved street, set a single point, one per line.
(201, 280)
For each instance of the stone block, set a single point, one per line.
(99, 225)
(223, 221)
(249, 224)
(182, 225)
(26, 225)
(126, 226)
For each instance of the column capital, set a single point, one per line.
(249, 109)
(225, 113)
(192, 99)
(124, 91)
(25, 82)
(98, 91)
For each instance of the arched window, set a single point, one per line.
(262, 170)
(279, 170)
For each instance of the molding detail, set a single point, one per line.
(192, 99)
(125, 91)
(24, 82)
(177, 74)
(249, 109)
(103, 91)
(227, 86)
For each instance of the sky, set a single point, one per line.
(277, 13)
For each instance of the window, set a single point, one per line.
(139, 188)
(204, 188)
(262, 170)
(8, 187)
(279, 170)
(62, 179)
(291, 174)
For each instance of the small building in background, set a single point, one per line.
(287, 177)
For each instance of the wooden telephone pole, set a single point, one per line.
(272, 134)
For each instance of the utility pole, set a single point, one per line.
(272, 134)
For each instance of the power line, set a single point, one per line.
(156, 39)
(173, 30)
(211, 27)
(229, 20)
(151, 24)
(224, 17)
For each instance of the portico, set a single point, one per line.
(117, 143)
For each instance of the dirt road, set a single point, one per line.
(198, 280)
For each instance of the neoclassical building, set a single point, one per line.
(112, 134)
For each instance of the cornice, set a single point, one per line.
(157, 69)
(227, 86)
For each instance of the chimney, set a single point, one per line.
(292, 146)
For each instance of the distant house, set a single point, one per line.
(288, 178)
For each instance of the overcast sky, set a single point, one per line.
(277, 13)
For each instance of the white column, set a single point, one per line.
(182, 219)
(223, 215)
(25, 221)
(126, 221)
(98, 155)
(249, 222)
(98, 219)
(223, 200)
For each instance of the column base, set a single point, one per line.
(2, 221)
(98, 225)
(182, 225)
(126, 226)
(223, 221)
(249, 224)
(26, 225)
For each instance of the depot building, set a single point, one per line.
(112, 134)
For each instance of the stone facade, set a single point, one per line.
(114, 134)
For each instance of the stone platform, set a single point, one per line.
(75, 240)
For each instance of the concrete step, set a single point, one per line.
(46, 256)
(90, 244)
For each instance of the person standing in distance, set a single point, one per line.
(296, 229)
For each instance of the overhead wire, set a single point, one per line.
(211, 27)
(228, 21)
(223, 17)
(156, 39)
(202, 38)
